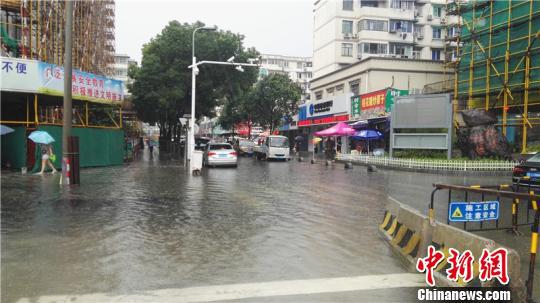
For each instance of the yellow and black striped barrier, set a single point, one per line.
(404, 239)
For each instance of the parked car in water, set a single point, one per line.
(220, 154)
(245, 147)
(528, 172)
(273, 147)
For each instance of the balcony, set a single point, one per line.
(391, 13)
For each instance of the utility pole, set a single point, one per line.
(67, 112)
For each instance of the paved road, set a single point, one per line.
(143, 230)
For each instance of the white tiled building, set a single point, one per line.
(346, 31)
(121, 64)
(299, 70)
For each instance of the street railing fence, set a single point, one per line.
(430, 164)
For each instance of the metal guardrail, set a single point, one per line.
(514, 196)
(431, 164)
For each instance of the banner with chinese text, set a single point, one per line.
(39, 77)
(374, 104)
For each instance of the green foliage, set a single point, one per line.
(273, 98)
(162, 84)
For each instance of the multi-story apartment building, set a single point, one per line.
(299, 70)
(347, 31)
(121, 65)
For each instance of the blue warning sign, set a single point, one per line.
(473, 211)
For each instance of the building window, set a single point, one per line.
(369, 3)
(355, 88)
(318, 95)
(346, 49)
(435, 54)
(299, 75)
(309, 64)
(347, 5)
(346, 27)
(452, 32)
(437, 11)
(373, 25)
(373, 48)
(401, 26)
(340, 87)
(402, 4)
(330, 90)
(401, 49)
(436, 33)
(299, 65)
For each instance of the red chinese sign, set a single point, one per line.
(373, 100)
(492, 265)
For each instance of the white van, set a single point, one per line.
(273, 147)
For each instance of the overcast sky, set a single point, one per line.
(282, 27)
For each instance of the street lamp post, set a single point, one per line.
(190, 140)
(194, 73)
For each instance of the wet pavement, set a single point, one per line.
(148, 226)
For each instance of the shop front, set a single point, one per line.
(372, 111)
(321, 114)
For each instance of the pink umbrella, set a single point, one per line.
(340, 129)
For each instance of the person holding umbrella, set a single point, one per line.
(44, 140)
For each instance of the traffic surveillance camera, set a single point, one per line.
(240, 69)
(252, 60)
(231, 59)
(196, 70)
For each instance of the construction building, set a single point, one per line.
(497, 45)
(33, 29)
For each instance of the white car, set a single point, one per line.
(220, 154)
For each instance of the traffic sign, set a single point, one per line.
(473, 211)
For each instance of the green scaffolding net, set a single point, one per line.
(489, 29)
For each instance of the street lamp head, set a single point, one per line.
(208, 28)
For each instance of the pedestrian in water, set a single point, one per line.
(46, 153)
(151, 146)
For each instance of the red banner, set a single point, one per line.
(373, 100)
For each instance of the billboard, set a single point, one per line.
(31, 76)
(374, 104)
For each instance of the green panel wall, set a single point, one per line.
(14, 147)
(98, 147)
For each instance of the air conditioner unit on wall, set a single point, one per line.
(430, 17)
(443, 20)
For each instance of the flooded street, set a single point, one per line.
(149, 226)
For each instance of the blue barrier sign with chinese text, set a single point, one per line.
(473, 211)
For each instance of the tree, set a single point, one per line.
(273, 99)
(162, 84)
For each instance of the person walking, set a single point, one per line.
(46, 154)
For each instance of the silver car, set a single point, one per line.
(220, 154)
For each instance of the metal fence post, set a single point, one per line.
(534, 247)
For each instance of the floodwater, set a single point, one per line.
(148, 225)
